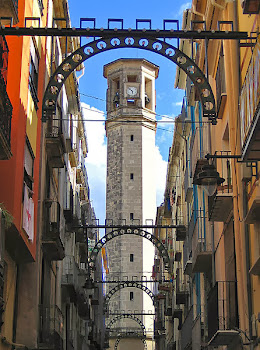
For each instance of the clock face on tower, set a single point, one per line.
(131, 91)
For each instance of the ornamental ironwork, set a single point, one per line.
(130, 316)
(129, 41)
(130, 231)
(128, 335)
(127, 284)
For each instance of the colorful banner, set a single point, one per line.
(105, 260)
(91, 244)
(28, 214)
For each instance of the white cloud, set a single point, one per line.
(183, 7)
(179, 103)
(167, 122)
(161, 169)
(95, 135)
(96, 161)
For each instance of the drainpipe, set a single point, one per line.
(248, 277)
(213, 254)
(15, 314)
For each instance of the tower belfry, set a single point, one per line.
(131, 191)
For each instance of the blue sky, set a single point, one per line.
(94, 84)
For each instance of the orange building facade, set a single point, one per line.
(44, 191)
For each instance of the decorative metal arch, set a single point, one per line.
(127, 284)
(124, 336)
(122, 41)
(132, 317)
(130, 231)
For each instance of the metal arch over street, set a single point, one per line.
(130, 316)
(130, 231)
(127, 284)
(130, 334)
(118, 41)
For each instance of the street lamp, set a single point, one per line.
(209, 179)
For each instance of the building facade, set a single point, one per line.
(215, 297)
(44, 194)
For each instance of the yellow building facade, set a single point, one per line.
(216, 290)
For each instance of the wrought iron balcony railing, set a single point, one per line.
(55, 145)
(51, 326)
(51, 239)
(9, 9)
(201, 245)
(70, 274)
(222, 313)
(188, 187)
(221, 203)
(5, 122)
(250, 104)
(68, 202)
(199, 148)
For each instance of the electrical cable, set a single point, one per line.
(157, 114)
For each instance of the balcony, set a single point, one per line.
(250, 105)
(83, 194)
(5, 105)
(251, 7)
(76, 217)
(81, 171)
(9, 8)
(223, 314)
(188, 187)
(182, 287)
(159, 328)
(199, 146)
(165, 287)
(51, 328)
(221, 203)
(70, 276)
(55, 146)
(181, 229)
(68, 203)
(201, 249)
(221, 92)
(186, 331)
(74, 155)
(51, 240)
(177, 313)
(252, 216)
(83, 304)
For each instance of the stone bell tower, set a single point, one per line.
(131, 192)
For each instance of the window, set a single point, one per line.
(132, 138)
(33, 74)
(131, 78)
(28, 165)
(131, 296)
(131, 176)
(221, 93)
(131, 102)
(131, 257)
(131, 216)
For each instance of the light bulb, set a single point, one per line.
(210, 188)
